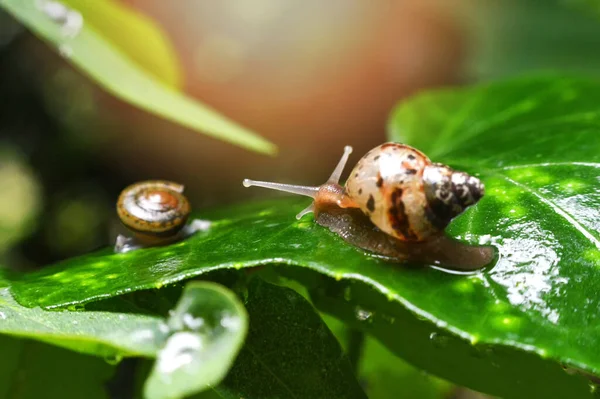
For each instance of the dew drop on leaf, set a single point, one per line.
(439, 340)
(363, 314)
(113, 360)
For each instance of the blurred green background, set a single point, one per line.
(309, 76)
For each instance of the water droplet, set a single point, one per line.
(179, 351)
(363, 314)
(2, 316)
(421, 317)
(163, 328)
(113, 360)
(65, 50)
(230, 322)
(70, 20)
(439, 340)
(192, 323)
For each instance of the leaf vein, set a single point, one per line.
(556, 208)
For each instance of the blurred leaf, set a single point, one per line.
(195, 348)
(516, 36)
(33, 370)
(210, 324)
(497, 369)
(97, 333)
(94, 53)
(534, 142)
(289, 353)
(135, 34)
(20, 199)
(584, 5)
(386, 376)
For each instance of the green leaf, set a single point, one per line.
(388, 377)
(194, 348)
(137, 35)
(497, 369)
(32, 370)
(510, 38)
(89, 48)
(210, 324)
(535, 144)
(382, 374)
(289, 353)
(98, 333)
(591, 6)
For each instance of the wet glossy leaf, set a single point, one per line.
(87, 47)
(499, 369)
(535, 143)
(210, 325)
(289, 353)
(33, 370)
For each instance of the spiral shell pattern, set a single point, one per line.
(156, 207)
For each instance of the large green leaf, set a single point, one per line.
(194, 348)
(534, 142)
(499, 369)
(97, 333)
(388, 377)
(382, 374)
(290, 352)
(89, 48)
(32, 370)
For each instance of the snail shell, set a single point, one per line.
(396, 204)
(406, 195)
(154, 210)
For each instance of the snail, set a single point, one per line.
(396, 204)
(156, 212)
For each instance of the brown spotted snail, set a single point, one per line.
(396, 204)
(156, 212)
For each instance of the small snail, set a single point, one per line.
(396, 204)
(156, 211)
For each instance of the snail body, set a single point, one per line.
(156, 212)
(396, 203)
